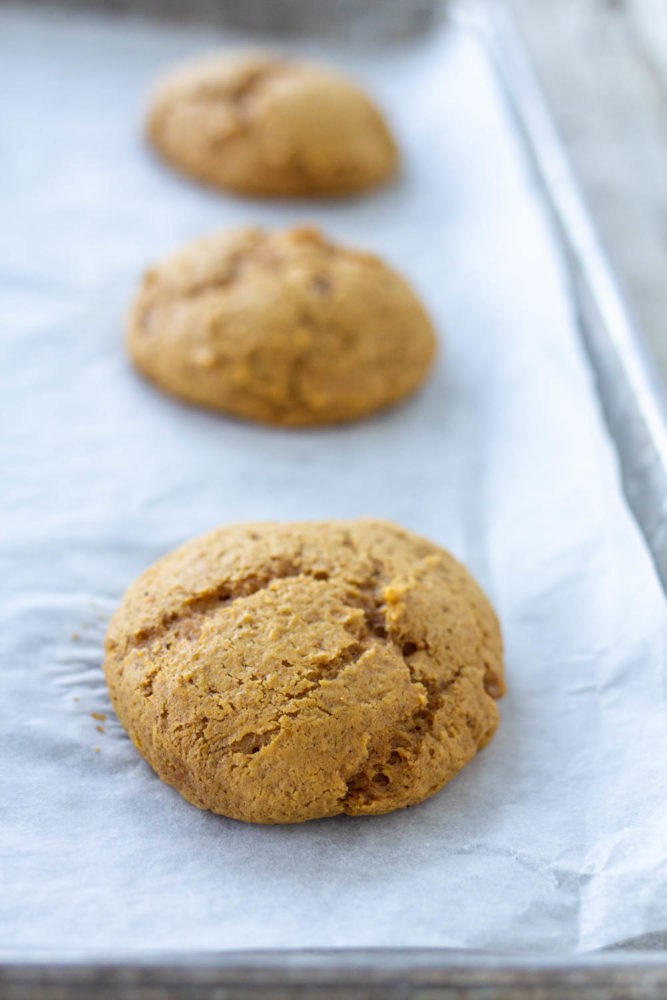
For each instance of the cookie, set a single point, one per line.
(261, 125)
(276, 673)
(285, 328)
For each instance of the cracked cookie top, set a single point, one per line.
(276, 673)
(285, 328)
(260, 125)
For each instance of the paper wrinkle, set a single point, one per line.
(553, 837)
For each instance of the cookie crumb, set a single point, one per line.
(100, 716)
(100, 729)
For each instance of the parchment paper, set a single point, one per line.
(554, 837)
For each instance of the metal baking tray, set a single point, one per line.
(634, 409)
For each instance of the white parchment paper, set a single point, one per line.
(555, 836)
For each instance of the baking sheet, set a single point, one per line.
(553, 838)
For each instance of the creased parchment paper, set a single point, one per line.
(555, 836)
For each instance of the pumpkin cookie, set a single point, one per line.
(284, 328)
(276, 673)
(261, 125)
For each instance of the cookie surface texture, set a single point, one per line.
(283, 328)
(276, 673)
(261, 125)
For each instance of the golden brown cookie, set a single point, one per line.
(262, 125)
(280, 672)
(284, 328)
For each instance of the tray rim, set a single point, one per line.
(633, 397)
(456, 973)
(360, 973)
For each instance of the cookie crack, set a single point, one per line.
(250, 88)
(329, 669)
(367, 598)
(370, 780)
(230, 92)
(373, 605)
(424, 718)
(238, 99)
(231, 271)
(251, 743)
(217, 282)
(225, 593)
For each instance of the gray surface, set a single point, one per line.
(367, 20)
(630, 389)
(604, 68)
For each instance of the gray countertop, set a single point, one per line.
(603, 65)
